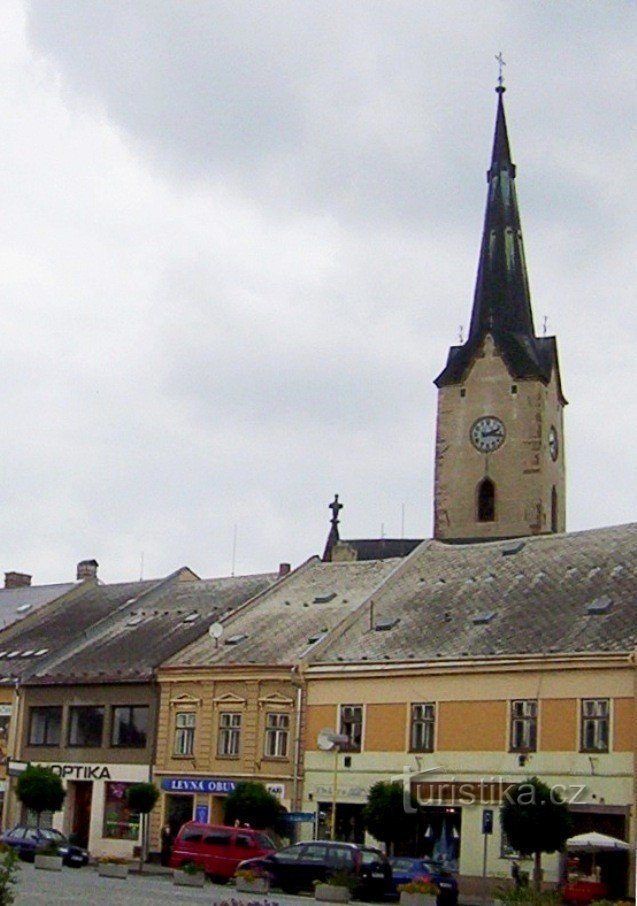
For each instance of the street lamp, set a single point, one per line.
(329, 741)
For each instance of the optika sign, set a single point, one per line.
(81, 771)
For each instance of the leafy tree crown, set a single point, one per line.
(40, 789)
(535, 818)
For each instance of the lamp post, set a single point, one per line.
(329, 741)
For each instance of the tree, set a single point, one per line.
(40, 790)
(536, 820)
(250, 803)
(141, 797)
(8, 875)
(385, 815)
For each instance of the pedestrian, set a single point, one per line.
(515, 874)
(166, 844)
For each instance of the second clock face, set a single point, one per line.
(487, 434)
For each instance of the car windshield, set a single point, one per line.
(49, 834)
(265, 842)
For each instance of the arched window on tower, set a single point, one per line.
(554, 509)
(486, 501)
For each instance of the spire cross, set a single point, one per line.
(501, 65)
(335, 506)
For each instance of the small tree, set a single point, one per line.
(536, 820)
(385, 815)
(40, 790)
(141, 797)
(252, 804)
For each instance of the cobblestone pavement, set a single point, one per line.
(84, 886)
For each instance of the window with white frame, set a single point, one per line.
(351, 725)
(423, 722)
(229, 733)
(185, 723)
(595, 724)
(277, 731)
(524, 725)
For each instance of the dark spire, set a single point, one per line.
(502, 301)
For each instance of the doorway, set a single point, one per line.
(81, 818)
(179, 809)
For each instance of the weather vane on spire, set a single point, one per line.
(501, 65)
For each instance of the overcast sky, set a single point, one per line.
(238, 238)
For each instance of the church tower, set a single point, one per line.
(499, 470)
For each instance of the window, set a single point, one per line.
(277, 729)
(130, 726)
(229, 733)
(523, 725)
(423, 718)
(595, 720)
(45, 725)
(86, 724)
(120, 822)
(185, 722)
(351, 725)
(486, 501)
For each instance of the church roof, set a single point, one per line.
(549, 594)
(502, 300)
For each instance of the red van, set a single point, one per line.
(218, 849)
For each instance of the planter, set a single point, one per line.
(417, 899)
(186, 879)
(255, 885)
(48, 863)
(330, 894)
(112, 870)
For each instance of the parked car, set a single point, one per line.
(28, 841)
(407, 868)
(296, 867)
(218, 849)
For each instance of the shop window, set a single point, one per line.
(229, 734)
(120, 821)
(130, 726)
(45, 726)
(595, 724)
(277, 731)
(524, 725)
(86, 726)
(423, 721)
(351, 725)
(185, 723)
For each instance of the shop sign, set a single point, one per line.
(300, 817)
(198, 785)
(5, 710)
(81, 771)
(277, 789)
(201, 814)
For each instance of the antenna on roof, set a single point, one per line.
(141, 567)
(545, 325)
(460, 338)
(234, 549)
(402, 522)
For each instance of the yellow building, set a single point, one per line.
(232, 704)
(474, 667)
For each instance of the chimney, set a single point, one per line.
(87, 569)
(284, 569)
(16, 580)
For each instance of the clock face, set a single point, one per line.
(554, 447)
(487, 434)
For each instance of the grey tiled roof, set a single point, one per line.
(17, 603)
(24, 645)
(135, 640)
(279, 626)
(526, 596)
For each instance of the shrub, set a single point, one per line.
(8, 874)
(191, 868)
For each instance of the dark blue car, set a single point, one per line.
(29, 840)
(406, 869)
